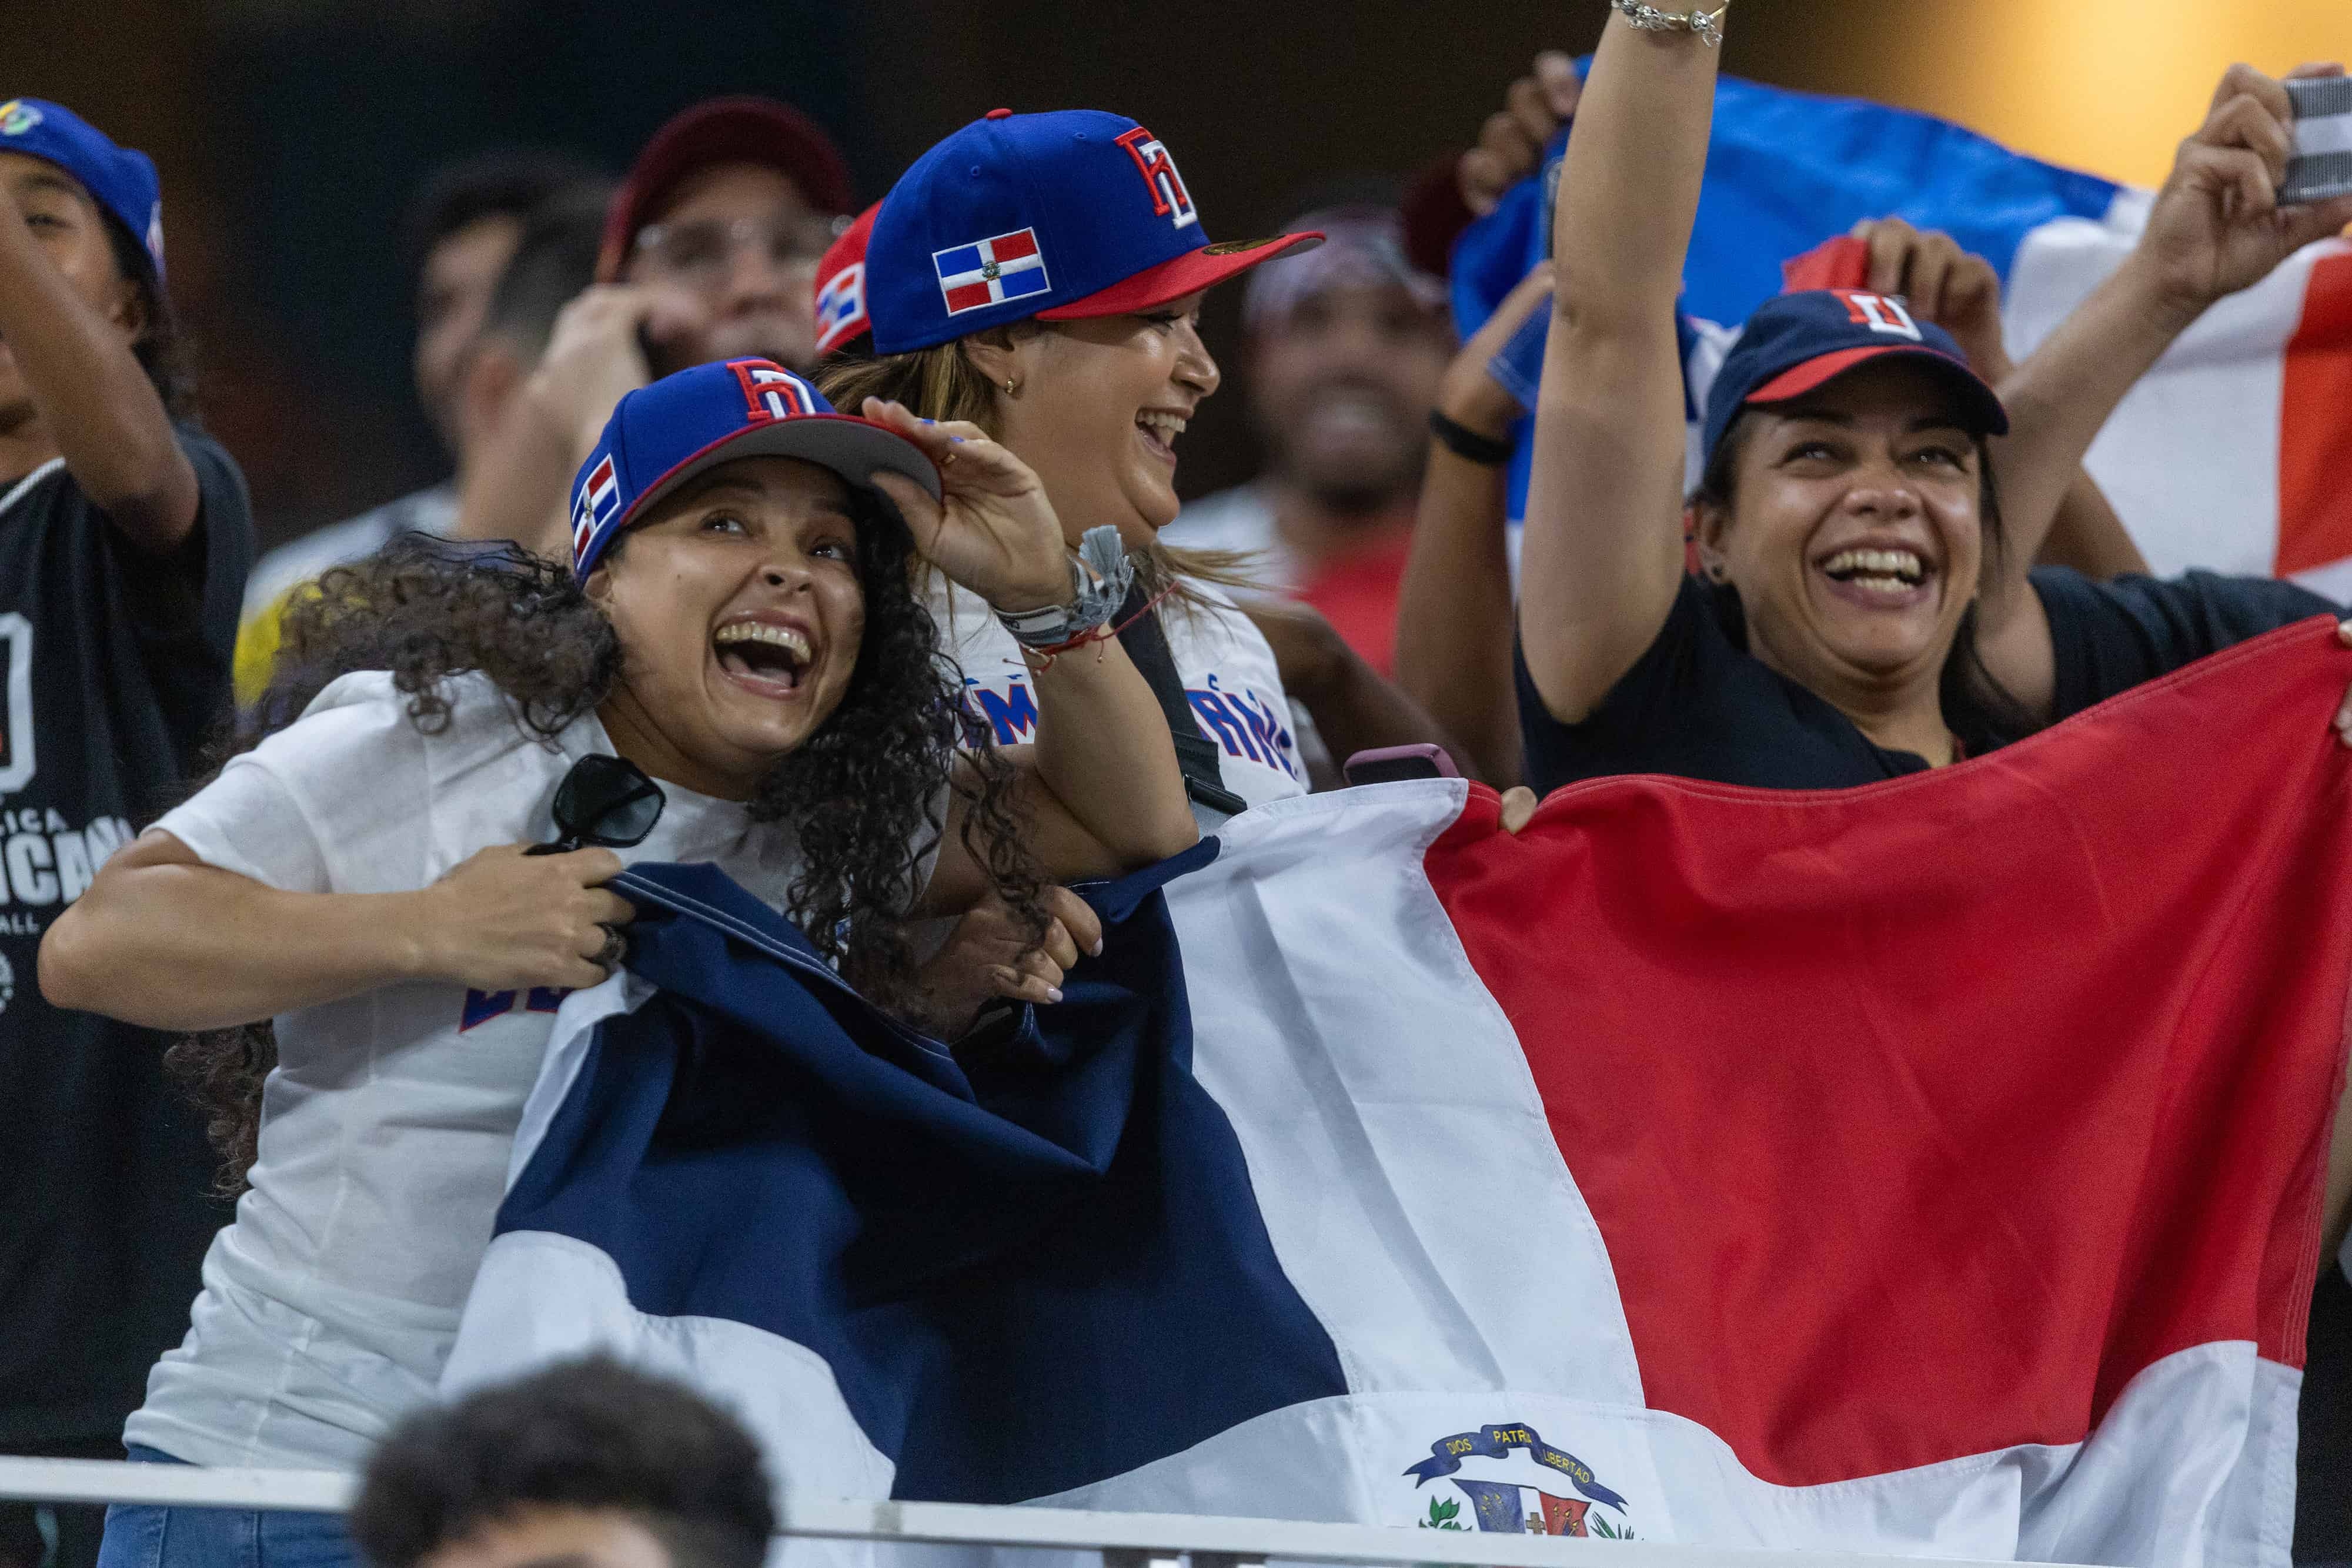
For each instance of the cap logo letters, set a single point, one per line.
(1170, 199)
(1880, 313)
(769, 390)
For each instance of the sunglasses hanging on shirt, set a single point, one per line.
(605, 802)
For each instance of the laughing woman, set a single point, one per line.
(1866, 609)
(1041, 277)
(736, 630)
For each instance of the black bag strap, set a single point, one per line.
(1146, 642)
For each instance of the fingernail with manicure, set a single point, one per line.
(1052, 995)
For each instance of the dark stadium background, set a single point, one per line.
(289, 132)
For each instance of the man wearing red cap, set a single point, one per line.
(710, 253)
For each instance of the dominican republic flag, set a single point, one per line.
(2232, 454)
(1724, 1166)
(841, 307)
(1005, 266)
(600, 497)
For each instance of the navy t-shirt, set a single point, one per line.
(1698, 705)
(115, 665)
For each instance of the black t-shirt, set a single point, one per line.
(1698, 705)
(114, 665)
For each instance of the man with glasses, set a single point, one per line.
(710, 253)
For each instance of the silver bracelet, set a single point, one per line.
(1095, 594)
(1706, 25)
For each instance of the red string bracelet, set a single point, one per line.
(1102, 633)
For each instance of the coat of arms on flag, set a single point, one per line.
(991, 271)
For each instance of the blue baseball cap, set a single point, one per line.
(1062, 216)
(662, 435)
(118, 180)
(1803, 341)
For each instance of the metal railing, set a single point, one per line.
(1125, 1539)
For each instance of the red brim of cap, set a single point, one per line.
(1798, 380)
(723, 130)
(1179, 276)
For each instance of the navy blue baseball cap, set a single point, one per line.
(662, 435)
(1803, 341)
(1061, 216)
(118, 180)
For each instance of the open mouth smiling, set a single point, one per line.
(1161, 429)
(763, 657)
(1894, 576)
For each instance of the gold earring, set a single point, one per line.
(1012, 385)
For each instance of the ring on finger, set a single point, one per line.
(615, 948)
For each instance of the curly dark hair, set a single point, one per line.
(862, 795)
(591, 1435)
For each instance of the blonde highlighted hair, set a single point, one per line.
(942, 382)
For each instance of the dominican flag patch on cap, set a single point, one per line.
(841, 307)
(1001, 267)
(600, 497)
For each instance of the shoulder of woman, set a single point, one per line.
(363, 688)
(477, 712)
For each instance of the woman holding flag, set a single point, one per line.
(732, 668)
(1862, 612)
(1860, 615)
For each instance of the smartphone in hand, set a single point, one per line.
(2321, 164)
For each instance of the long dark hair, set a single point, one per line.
(861, 796)
(1990, 713)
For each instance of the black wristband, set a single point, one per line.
(1467, 443)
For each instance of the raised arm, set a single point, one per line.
(2217, 228)
(1101, 788)
(1603, 546)
(1453, 615)
(76, 360)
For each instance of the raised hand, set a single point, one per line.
(1468, 394)
(595, 354)
(2218, 227)
(992, 531)
(502, 919)
(1957, 290)
(1511, 143)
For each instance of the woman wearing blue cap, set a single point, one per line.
(733, 669)
(1040, 276)
(1862, 614)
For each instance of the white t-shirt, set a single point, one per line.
(1224, 661)
(330, 1304)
